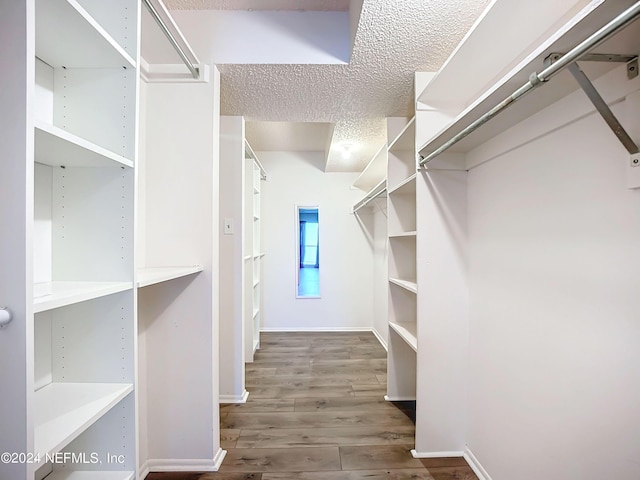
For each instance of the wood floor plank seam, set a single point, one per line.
(316, 411)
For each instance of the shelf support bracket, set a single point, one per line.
(603, 109)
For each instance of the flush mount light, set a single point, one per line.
(346, 151)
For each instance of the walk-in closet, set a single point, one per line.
(274, 240)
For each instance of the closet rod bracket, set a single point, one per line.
(603, 109)
(632, 68)
(630, 60)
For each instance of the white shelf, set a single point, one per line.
(89, 475)
(57, 147)
(375, 171)
(64, 410)
(255, 313)
(68, 293)
(402, 234)
(408, 332)
(248, 257)
(378, 191)
(406, 139)
(573, 32)
(407, 285)
(256, 283)
(153, 275)
(406, 187)
(67, 36)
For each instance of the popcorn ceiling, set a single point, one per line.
(395, 38)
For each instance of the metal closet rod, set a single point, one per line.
(172, 40)
(375, 192)
(536, 79)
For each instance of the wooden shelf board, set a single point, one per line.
(406, 187)
(406, 139)
(68, 293)
(57, 147)
(407, 285)
(64, 410)
(67, 36)
(90, 475)
(408, 332)
(153, 275)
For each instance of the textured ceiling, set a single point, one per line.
(394, 39)
(295, 5)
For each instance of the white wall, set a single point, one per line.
(555, 309)
(231, 207)
(178, 320)
(346, 256)
(381, 271)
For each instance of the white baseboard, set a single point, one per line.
(380, 339)
(416, 454)
(143, 471)
(475, 465)
(217, 460)
(234, 398)
(183, 465)
(314, 329)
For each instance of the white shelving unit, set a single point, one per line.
(447, 103)
(253, 301)
(177, 255)
(241, 258)
(402, 259)
(78, 157)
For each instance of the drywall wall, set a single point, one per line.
(380, 271)
(178, 320)
(553, 274)
(231, 206)
(346, 255)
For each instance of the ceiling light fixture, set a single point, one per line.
(346, 151)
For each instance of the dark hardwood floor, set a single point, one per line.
(316, 411)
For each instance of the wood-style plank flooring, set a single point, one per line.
(316, 411)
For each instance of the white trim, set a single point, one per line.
(380, 339)
(219, 457)
(475, 465)
(185, 465)
(234, 398)
(416, 454)
(315, 329)
(143, 471)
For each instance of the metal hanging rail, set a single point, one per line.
(252, 155)
(536, 79)
(195, 71)
(375, 192)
